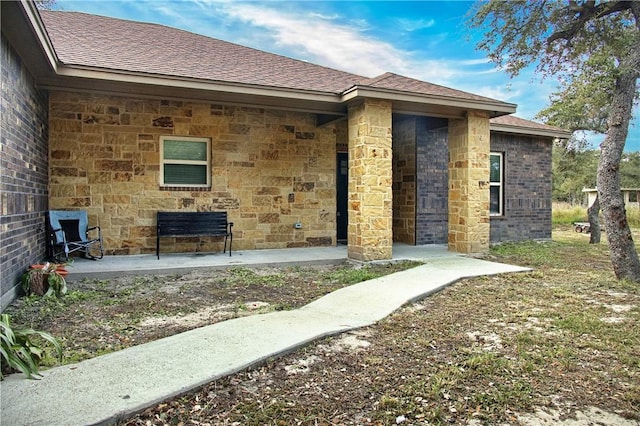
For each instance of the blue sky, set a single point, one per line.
(426, 40)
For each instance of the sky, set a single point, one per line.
(426, 40)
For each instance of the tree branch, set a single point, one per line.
(587, 12)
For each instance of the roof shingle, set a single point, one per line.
(116, 44)
(93, 41)
(405, 84)
(513, 121)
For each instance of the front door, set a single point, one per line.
(342, 193)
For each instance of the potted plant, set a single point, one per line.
(45, 279)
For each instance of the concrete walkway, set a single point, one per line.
(110, 387)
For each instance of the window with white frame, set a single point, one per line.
(185, 161)
(496, 183)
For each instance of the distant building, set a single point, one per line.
(631, 196)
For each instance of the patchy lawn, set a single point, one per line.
(102, 316)
(559, 345)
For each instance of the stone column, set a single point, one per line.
(469, 183)
(370, 232)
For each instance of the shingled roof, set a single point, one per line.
(87, 40)
(513, 124)
(124, 47)
(400, 83)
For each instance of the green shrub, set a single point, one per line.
(20, 351)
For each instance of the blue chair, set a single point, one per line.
(68, 232)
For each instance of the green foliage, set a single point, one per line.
(586, 46)
(557, 37)
(34, 280)
(633, 216)
(20, 351)
(574, 170)
(630, 170)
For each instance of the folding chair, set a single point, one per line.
(68, 232)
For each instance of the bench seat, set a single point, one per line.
(194, 224)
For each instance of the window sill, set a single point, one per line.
(186, 188)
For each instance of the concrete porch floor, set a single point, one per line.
(176, 263)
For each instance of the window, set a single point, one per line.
(496, 184)
(184, 162)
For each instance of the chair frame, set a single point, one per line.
(61, 241)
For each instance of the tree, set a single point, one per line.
(572, 171)
(571, 40)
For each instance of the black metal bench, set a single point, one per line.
(193, 224)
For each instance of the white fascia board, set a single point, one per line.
(188, 83)
(393, 95)
(531, 131)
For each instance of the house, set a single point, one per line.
(123, 119)
(631, 196)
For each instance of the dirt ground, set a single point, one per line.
(559, 345)
(101, 316)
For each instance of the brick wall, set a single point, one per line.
(270, 169)
(527, 192)
(404, 179)
(433, 174)
(23, 172)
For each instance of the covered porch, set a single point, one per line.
(177, 263)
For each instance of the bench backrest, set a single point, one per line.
(192, 223)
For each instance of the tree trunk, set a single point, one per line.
(624, 257)
(594, 222)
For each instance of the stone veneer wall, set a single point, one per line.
(404, 180)
(370, 230)
(270, 170)
(469, 183)
(432, 212)
(527, 191)
(23, 172)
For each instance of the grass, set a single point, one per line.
(100, 316)
(564, 337)
(566, 214)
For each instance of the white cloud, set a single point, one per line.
(415, 24)
(334, 42)
(501, 92)
(479, 61)
(321, 40)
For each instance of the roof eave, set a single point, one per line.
(530, 131)
(118, 76)
(34, 46)
(495, 108)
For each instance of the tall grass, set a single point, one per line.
(566, 214)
